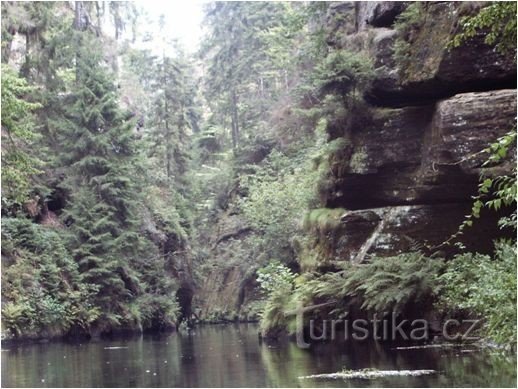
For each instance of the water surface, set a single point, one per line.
(232, 356)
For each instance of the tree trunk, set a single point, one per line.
(81, 20)
(235, 121)
(168, 137)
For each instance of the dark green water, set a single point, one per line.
(218, 356)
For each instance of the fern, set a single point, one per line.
(384, 284)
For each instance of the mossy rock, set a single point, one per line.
(323, 219)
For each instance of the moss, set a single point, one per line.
(323, 219)
(308, 260)
(336, 146)
(358, 161)
(425, 29)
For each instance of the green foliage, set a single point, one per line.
(240, 79)
(171, 111)
(42, 289)
(19, 164)
(383, 284)
(156, 311)
(277, 282)
(278, 193)
(470, 284)
(100, 160)
(388, 284)
(484, 286)
(406, 24)
(344, 72)
(497, 21)
(275, 276)
(272, 318)
(114, 275)
(494, 192)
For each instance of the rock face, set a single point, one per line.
(433, 70)
(228, 289)
(378, 13)
(420, 155)
(405, 167)
(406, 171)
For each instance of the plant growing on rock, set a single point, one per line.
(497, 20)
(383, 284)
(345, 73)
(406, 23)
(494, 192)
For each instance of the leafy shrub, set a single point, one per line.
(275, 276)
(498, 19)
(277, 283)
(494, 192)
(484, 286)
(272, 318)
(279, 192)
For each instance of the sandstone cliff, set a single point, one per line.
(406, 170)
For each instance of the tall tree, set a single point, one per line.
(238, 71)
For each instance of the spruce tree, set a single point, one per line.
(98, 151)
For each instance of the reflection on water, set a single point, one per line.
(231, 356)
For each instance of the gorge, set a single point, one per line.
(356, 158)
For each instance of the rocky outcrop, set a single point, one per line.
(378, 13)
(404, 164)
(406, 171)
(388, 231)
(410, 174)
(227, 294)
(432, 68)
(229, 284)
(419, 155)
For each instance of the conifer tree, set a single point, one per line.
(98, 151)
(240, 77)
